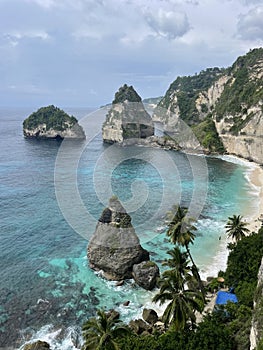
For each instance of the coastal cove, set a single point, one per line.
(45, 279)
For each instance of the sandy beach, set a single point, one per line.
(256, 179)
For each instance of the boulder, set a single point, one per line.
(139, 326)
(145, 274)
(114, 247)
(150, 316)
(113, 314)
(38, 345)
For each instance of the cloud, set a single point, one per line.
(250, 25)
(250, 2)
(43, 3)
(169, 24)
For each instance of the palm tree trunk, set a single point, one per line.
(200, 283)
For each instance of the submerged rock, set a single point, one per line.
(114, 247)
(145, 274)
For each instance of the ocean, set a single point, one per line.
(52, 194)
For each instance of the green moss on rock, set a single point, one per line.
(52, 117)
(126, 93)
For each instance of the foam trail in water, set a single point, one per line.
(54, 338)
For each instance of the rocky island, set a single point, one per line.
(127, 118)
(52, 123)
(115, 249)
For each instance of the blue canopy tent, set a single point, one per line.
(223, 297)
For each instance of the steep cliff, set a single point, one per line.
(127, 117)
(256, 334)
(239, 111)
(224, 107)
(52, 123)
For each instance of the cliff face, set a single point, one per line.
(257, 320)
(52, 122)
(248, 143)
(127, 118)
(239, 111)
(232, 99)
(41, 131)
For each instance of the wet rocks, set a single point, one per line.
(38, 345)
(150, 316)
(146, 274)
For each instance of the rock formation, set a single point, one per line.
(127, 118)
(150, 316)
(257, 320)
(52, 123)
(230, 100)
(38, 345)
(114, 247)
(145, 274)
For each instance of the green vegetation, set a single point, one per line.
(243, 264)
(236, 228)
(126, 93)
(52, 117)
(100, 333)
(187, 90)
(228, 328)
(242, 90)
(183, 303)
(207, 135)
(181, 233)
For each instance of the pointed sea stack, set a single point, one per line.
(127, 118)
(115, 247)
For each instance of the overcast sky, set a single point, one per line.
(79, 52)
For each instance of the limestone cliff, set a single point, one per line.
(52, 123)
(127, 118)
(239, 112)
(224, 107)
(115, 247)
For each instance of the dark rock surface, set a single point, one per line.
(115, 247)
(140, 326)
(38, 345)
(145, 274)
(150, 316)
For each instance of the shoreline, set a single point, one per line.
(254, 176)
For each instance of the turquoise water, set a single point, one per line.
(45, 278)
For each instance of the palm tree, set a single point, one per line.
(100, 333)
(180, 231)
(179, 263)
(236, 228)
(182, 303)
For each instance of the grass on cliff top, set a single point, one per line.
(52, 117)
